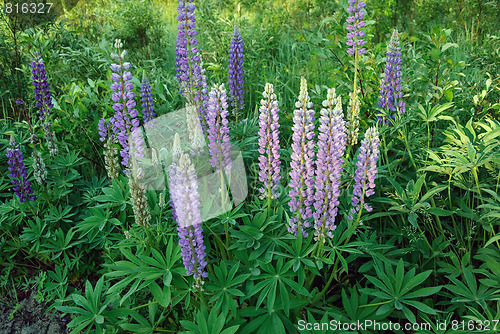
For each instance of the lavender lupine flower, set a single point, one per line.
(390, 89)
(184, 194)
(103, 127)
(269, 159)
(302, 164)
(41, 88)
(148, 110)
(124, 121)
(22, 186)
(189, 66)
(235, 71)
(353, 119)
(355, 25)
(331, 147)
(218, 133)
(176, 155)
(366, 172)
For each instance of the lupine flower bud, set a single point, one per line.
(110, 158)
(195, 131)
(269, 159)
(185, 197)
(22, 186)
(218, 133)
(366, 172)
(50, 137)
(355, 25)
(235, 71)
(390, 90)
(161, 200)
(331, 147)
(39, 171)
(302, 164)
(139, 201)
(353, 119)
(148, 110)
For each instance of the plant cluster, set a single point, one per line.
(389, 212)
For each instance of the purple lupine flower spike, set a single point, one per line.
(185, 198)
(189, 66)
(331, 148)
(43, 99)
(148, 110)
(355, 25)
(366, 172)
(22, 186)
(218, 133)
(269, 159)
(103, 127)
(124, 121)
(391, 96)
(302, 164)
(235, 71)
(41, 88)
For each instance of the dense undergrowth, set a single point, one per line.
(96, 241)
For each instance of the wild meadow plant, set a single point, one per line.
(235, 72)
(43, 99)
(249, 270)
(302, 165)
(269, 145)
(331, 147)
(18, 172)
(185, 200)
(188, 64)
(355, 42)
(391, 96)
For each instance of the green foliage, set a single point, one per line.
(429, 251)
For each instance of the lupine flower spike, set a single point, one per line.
(189, 67)
(148, 110)
(355, 25)
(43, 99)
(218, 133)
(331, 148)
(22, 186)
(235, 72)
(302, 164)
(39, 170)
(353, 119)
(269, 159)
(110, 152)
(124, 121)
(355, 41)
(390, 89)
(139, 201)
(366, 173)
(185, 198)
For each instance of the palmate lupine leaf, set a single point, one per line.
(468, 291)
(93, 310)
(142, 271)
(397, 290)
(209, 323)
(225, 285)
